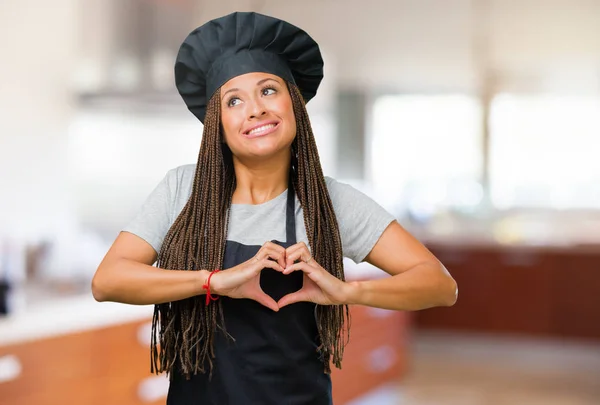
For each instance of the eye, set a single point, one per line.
(267, 91)
(233, 101)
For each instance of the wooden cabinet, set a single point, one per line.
(100, 367)
(123, 358)
(471, 302)
(576, 295)
(59, 368)
(110, 366)
(521, 290)
(375, 355)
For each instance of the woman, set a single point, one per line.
(263, 311)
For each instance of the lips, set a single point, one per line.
(261, 129)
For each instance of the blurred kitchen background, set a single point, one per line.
(475, 122)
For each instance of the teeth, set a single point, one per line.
(261, 129)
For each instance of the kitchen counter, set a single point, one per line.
(52, 316)
(66, 315)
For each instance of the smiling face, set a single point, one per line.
(257, 115)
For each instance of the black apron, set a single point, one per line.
(274, 359)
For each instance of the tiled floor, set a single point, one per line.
(452, 369)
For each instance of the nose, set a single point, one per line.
(256, 109)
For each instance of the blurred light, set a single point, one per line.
(88, 77)
(466, 194)
(544, 151)
(162, 69)
(10, 368)
(382, 359)
(126, 73)
(425, 145)
(154, 388)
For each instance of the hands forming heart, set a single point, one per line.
(318, 286)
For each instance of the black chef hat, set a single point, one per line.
(241, 43)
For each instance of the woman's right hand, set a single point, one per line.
(243, 280)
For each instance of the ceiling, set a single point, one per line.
(396, 45)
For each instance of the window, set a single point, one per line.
(426, 152)
(545, 152)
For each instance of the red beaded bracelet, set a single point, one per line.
(206, 287)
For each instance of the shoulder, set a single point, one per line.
(347, 199)
(180, 178)
(336, 186)
(182, 172)
(361, 220)
(343, 193)
(162, 205)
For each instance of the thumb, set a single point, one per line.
(292, 298)
(265, 300)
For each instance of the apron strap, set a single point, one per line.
(290, 214)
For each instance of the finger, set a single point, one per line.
(299, 244)
(309, 270)
(274, 251)
(274, 246)
(296, 246)
(270, 253)
(292, 254)
(265, 300)
(271, 264)
(298, 252)
(298, 296)
(267, 252)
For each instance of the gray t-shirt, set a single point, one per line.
(360, 219)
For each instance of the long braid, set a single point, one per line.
(183, 332)
(322, 231)
(195, 241)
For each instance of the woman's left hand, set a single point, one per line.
(319, 286)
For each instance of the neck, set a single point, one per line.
(261, 181)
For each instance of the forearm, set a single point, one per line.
(423, 286)
(130, 282)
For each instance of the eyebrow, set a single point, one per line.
(257, 84)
